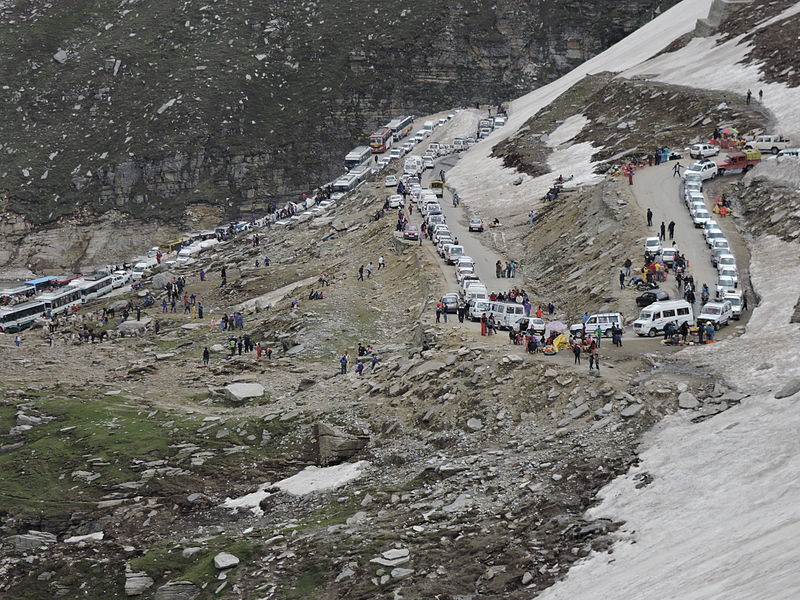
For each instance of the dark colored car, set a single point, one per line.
(450, 302)
(411, 232)
(648, 298)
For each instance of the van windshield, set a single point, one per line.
(645, 315)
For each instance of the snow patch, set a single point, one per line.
(316, 479)
(567, 130)
(251, 501)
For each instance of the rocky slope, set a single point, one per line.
(150, 109)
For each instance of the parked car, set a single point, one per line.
(713, 234)
(726, 261)
(450, 302)
(739, 162)
(704, 169)
(390, 181)
(769, 143)
(476, 224)
(651, 296)
(668, 256)
(700, 217)
(411, 232)
(728, 271)
(725, 284)
(395, 201)
(716, 313)
(735, 298)
(652, 245)
(703, 150)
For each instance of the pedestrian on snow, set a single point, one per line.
(531, 218)
(749, 96)
(649, 218)
(361, 273)
(761, 96)
(662, 231)
(206, 355)
(671, 229)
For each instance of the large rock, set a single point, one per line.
(631, 410)
(133, 325)
(137, 583)
(177, 590)
(687, 400)
(790, 389)
(225, 560)
(32, 540)
(334, 445)
(241, 392)
(162, 279)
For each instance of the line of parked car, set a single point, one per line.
(727, 302)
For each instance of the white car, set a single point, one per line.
(653, 245)
(383, 161)
(427, 162)
(726, 261)
(725, 284)
(704, 170)
(700, 217)
(735, 298)
(395, 201)
(390, 181)
(120, 278)
(717, 313)
(703, 150)
(728, 271)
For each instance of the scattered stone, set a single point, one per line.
(790, 389)
(579, 411)
(400, 573)
(474, 424)
(137, 583)
(241, 392)
(60, 57)
(526, 578)
(224, 560)
(687, 400)
(395, 553)
(631, 410)
(344, 574)
(334, 445)
(32, 540)
(177, 590)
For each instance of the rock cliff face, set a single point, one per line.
(150, 108)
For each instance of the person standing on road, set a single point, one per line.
(360, 273)
(483, 324)
(594, 358)
(576, 351)
(438, 312)
(671, 229)
(498, 267)
(662, 231)
(649, 218)
(676, 170)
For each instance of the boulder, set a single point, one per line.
(334, 445)
(790, 389)
(241, 392)
(474, 424)
(137, 583)
(631, 410)
(32, 540)
(134, 325)
(225, 560)
(162, 279)
(177, 590)
(687, 400)
(119, 305)
(400, 573)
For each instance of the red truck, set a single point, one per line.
(739, 162)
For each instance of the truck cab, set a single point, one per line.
(739, 162)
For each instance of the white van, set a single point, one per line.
(141, 269)
(716, 313)
(428, 126)
(653, 318)
(476, 291)
(476, 307)
(604, 320)
(507, 314)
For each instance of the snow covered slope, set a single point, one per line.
(705, 64)
(483, 181)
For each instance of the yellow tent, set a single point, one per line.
(561, 342)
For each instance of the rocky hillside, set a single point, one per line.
(150, 107)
